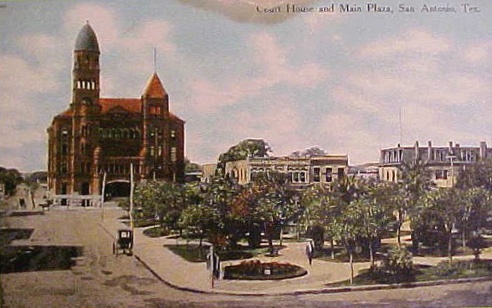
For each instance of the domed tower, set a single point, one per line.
(86, 109)
(85, 72)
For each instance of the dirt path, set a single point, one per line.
(99, 279)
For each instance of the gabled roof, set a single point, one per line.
(133, 105)
(154, 88)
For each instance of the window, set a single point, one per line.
(302, 177)
(296, 177)
(173, 133)
(316, 174)
(64, 149)
(63, 168)
(173, 154)
(329, 175)
(341, 173)
(152, 151)
(441, 174)
(155, 111)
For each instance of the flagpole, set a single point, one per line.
(131, 196)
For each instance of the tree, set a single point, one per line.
(276, 203)
(11, 178)
(199, 219)
(321, 210)
(415, 181)
(161, 200)
(191, 167)
(245, 148)
(477, 203)
(310, 152)
(219, 194)
(374, 210)
(146, 198)
(443, 208)
(348, 229)
(478, 174)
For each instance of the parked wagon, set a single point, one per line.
(124, 242)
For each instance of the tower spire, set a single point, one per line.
(155, 59)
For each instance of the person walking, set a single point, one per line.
(310, 251)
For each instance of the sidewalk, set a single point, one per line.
(185, 275)
(181, 274)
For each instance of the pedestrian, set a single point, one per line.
(310, 251)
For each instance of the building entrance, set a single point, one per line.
(117, 189)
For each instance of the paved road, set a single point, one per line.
(99, 279)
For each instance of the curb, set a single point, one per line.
(407, 285)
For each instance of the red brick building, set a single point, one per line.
(98, 135)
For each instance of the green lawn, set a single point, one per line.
(443, 271)
(156, 232)
(193, 253)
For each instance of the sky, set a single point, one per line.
(348, 82)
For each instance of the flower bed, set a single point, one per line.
(257, 270)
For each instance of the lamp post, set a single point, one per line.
(451, 157)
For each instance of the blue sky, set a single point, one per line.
(339, 81)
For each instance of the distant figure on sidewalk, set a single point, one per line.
(310, 251)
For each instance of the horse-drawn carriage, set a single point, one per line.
(124, 242)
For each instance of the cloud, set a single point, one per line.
(250, 11)
(422, 77)
(278, 122)
(478, 53)
(275, 63)
(21, 90)
(273, 68)
(103, 20)
(415, 42)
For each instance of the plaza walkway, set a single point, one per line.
(179, 273)
(194, 276)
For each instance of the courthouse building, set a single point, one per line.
(96, 136)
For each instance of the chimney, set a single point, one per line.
(483, 150)
(429, 150)
(417, 156)
(450, 149)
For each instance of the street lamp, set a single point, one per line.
(451, 157)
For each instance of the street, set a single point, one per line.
(100, 279)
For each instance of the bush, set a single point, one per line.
(477, 243)
(461, 268)
(399, 262)
(156, 232)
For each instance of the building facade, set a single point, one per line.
(97, 136)
(444, 163)
(301, 171)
